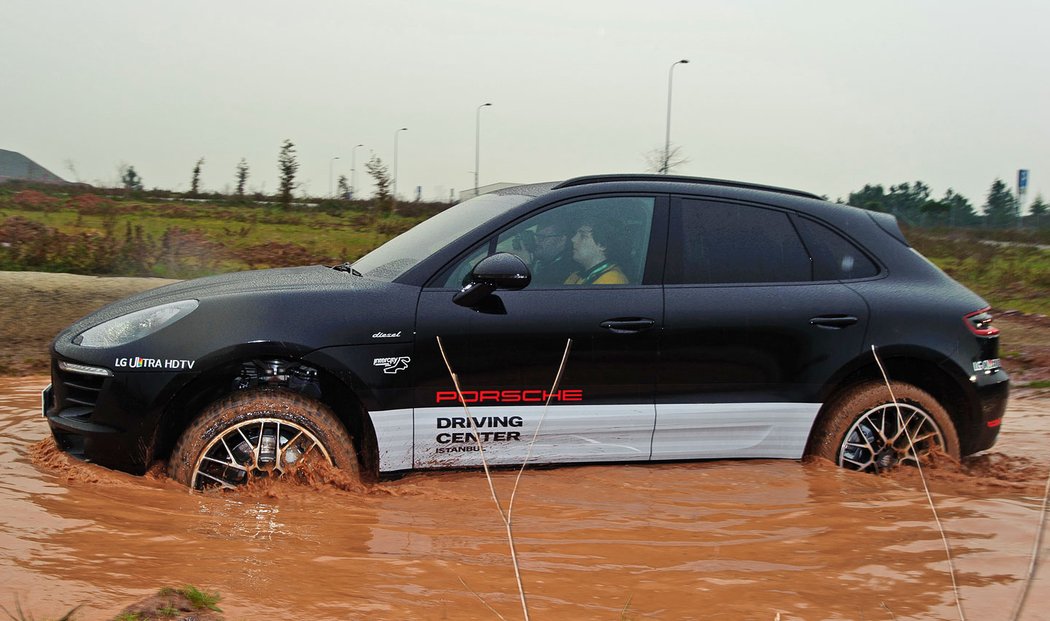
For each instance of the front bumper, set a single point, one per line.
(108, 420)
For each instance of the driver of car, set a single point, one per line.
(552, 259)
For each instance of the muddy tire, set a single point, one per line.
(256, 434)
(861, 429)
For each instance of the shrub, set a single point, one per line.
(276, 254)
(91, 204)
(33, 199)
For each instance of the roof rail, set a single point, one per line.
(589, 179)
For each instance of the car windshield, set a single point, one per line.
(395, 257)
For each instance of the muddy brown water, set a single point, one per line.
(710, 540)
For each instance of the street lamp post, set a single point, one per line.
(667, 138)
(403, 129)
(353, 169)
(477, 145)
(331, 163)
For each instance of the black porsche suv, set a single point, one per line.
(701, 319)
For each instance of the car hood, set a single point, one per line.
(300, 294)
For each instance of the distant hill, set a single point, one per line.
(16, 167)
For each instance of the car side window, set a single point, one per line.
(599, 241)
(713, 243)
(834, 256)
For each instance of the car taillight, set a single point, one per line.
(980, 323)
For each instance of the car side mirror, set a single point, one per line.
(502, 270)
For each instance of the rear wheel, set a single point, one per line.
(259, 434)
(865, 430)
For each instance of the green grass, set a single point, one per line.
(323, 233)
(201, 599)
(92, 234)
(1011, 275)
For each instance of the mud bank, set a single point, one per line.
(37, 305)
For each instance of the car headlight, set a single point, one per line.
(133, 326)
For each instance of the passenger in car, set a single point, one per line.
(597, 247)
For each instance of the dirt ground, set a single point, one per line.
(36, 306)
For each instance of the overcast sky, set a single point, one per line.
(820, 95)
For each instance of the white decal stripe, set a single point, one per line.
(730, 430)
(570, 433)
(394, 437)
(595, 433)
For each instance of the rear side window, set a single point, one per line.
(834, 256)
(713, 242)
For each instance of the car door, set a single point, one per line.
(750, 337)
(507, 351)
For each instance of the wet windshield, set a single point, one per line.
(395, 257)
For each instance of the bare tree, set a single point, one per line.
(664, 162)
(344, 186)
(71, 166)
(195, 182)
(287, 166)
(242, 176)
(381, 177)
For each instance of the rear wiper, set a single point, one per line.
(346, 267)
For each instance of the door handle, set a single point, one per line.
(833, 322)
(628, 325)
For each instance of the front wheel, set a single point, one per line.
(258, 434)
(865, 430)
